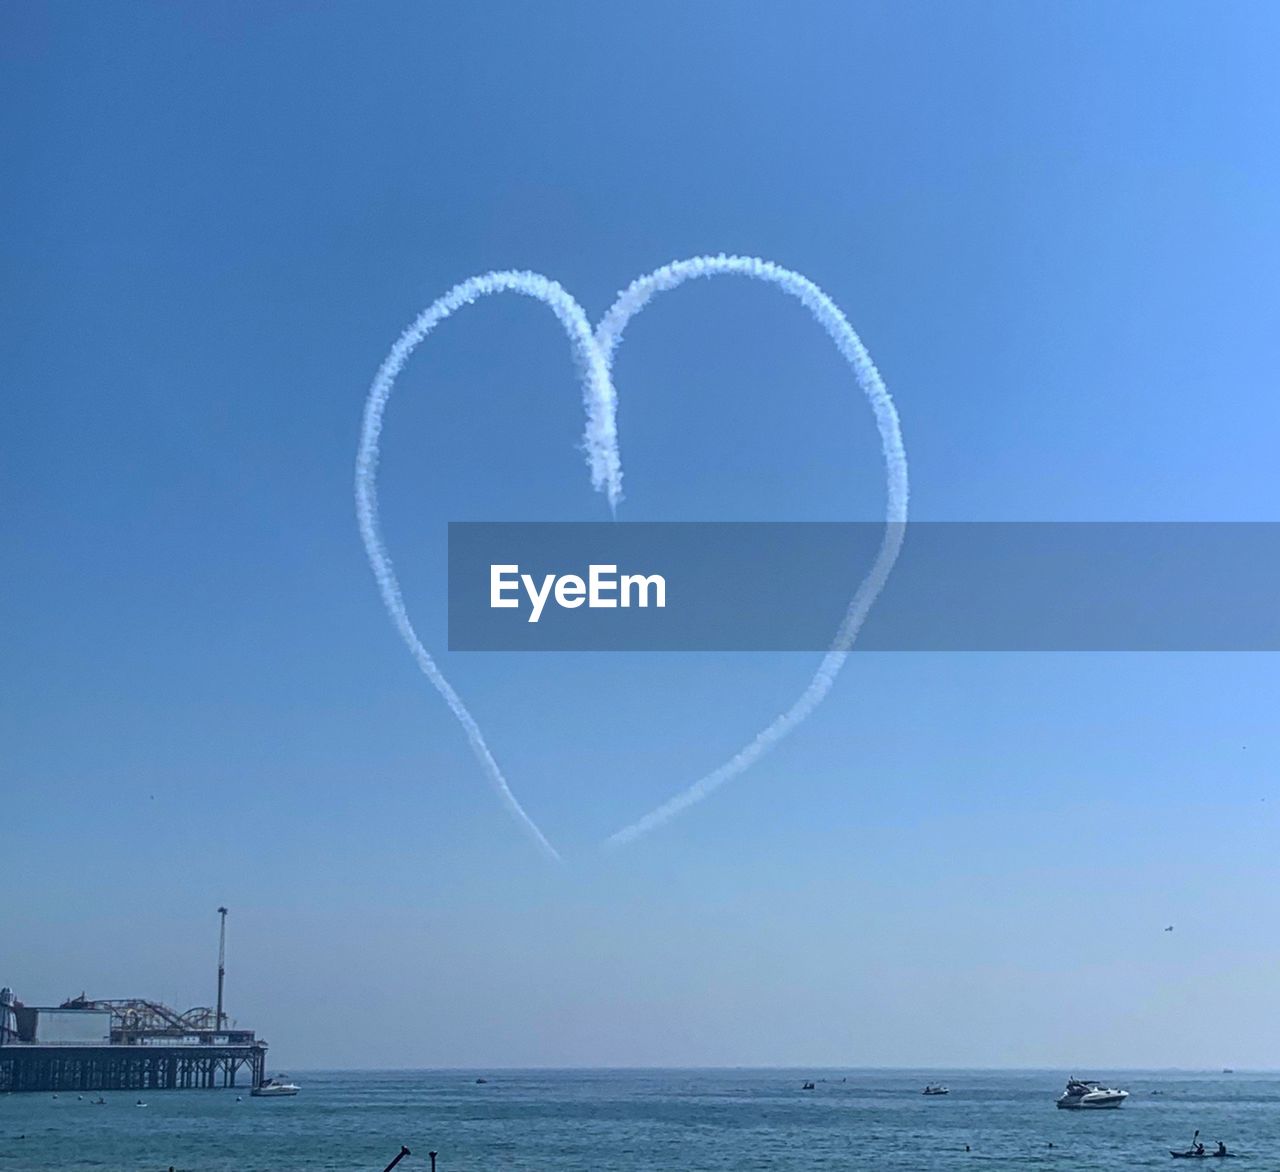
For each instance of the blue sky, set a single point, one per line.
(1054, 227)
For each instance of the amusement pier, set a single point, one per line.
(108, 1045)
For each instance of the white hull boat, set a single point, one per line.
(273, 1089)
(1088, 1095)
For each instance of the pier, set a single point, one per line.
(122, 1068)
(132, 1044)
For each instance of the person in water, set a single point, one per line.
(1222, 1149)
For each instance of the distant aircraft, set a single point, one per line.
(1169, 928)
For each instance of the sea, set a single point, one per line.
(647, 1121)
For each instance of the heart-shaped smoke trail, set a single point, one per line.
(828, 315)
(594, 355)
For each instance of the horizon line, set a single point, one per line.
(1032, 1068)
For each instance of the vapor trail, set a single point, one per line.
(608, 337)
(594, 356)
(602, 456)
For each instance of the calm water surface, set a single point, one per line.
(625, 1121)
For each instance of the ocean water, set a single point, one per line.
(628, 1121)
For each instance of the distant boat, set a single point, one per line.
(1087, 1094)
(274, 1089)
(1227, 1070)
(481, 1081)
(807, 1086)
(936, 1089)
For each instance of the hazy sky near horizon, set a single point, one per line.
(1055, 228)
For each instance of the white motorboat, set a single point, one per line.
(274, 1089)
(1087, 1094)
(936, 1088)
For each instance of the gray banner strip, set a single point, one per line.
(785, 586)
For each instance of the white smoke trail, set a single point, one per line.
(594, 356)
(602, 456)
(608, 337)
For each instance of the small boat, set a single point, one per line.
(1088, 1094)
(274, 1089)
(1197, 1150)
(807, 1086)
(936, 1089)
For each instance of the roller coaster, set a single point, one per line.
(134, 1019)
